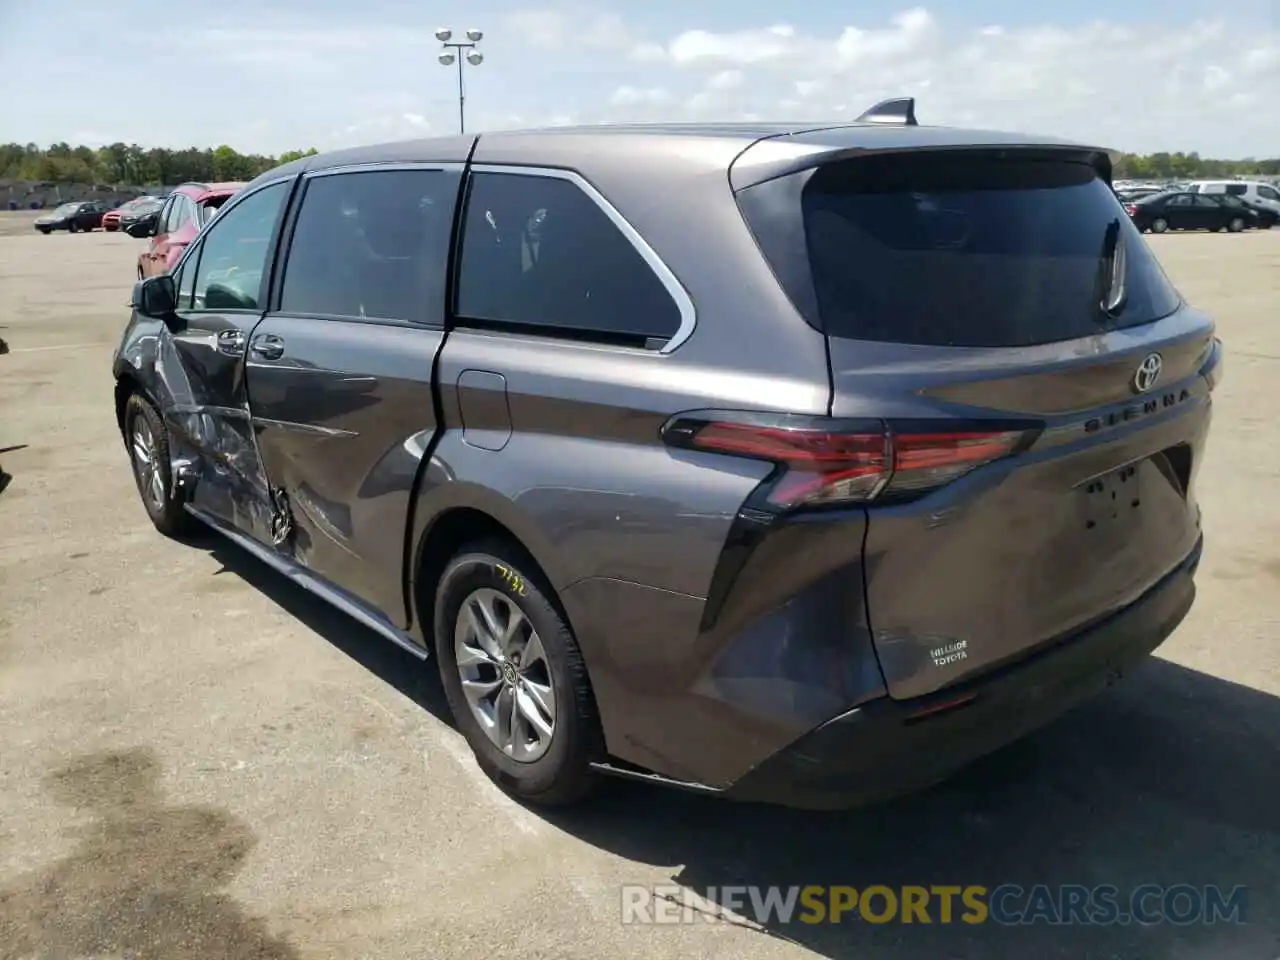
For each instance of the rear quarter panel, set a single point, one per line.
(560, 441)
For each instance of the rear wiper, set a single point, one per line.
(1113, 273)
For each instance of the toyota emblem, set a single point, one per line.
(1148, 372)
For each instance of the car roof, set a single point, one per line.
(199, 191)
(688, 146)
(220, 190)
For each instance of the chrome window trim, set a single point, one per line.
(684, 303)
(391, 166)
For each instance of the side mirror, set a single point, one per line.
(156, 297)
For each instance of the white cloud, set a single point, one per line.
(1209, 85)
(639, 96)
(726, 80)
(399, 126)
(569, 28)
(1174, 86)
(648, 53)
(740, 46)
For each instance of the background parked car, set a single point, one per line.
(188, 208)
(141, 219)
(1131, 194)
(1266, 217)
(1188, 211)
(1253, 192)
(112, 220)
(73, 217)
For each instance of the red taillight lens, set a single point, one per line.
(822, 463)
(923, 461)
(1130, 209)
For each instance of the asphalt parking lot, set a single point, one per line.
(198, 760)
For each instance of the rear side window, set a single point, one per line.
(1268, 193)
(538, 252)
(371, 245)
(1236, 189)
(959, 250)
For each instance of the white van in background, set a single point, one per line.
(1254, 192)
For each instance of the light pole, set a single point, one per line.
(455, 51)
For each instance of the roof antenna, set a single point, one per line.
(900, 110)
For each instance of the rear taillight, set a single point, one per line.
(1130, 209)
(822, 461)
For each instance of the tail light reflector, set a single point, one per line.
(823, 461)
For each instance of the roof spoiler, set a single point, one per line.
(901, 110)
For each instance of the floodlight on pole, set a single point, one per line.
(456, 51)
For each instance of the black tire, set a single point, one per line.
(72, 228)
(45, 231)
(1159, 225)
(166, 513)
(562, 774)
(1236, 225)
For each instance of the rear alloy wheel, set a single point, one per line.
(514, 677)
(1159, 225)
(505, 675)
(1236, 225)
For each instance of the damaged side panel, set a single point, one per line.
(213, 449)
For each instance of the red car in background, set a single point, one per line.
(111, 219)
(187, 209)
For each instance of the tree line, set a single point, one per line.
(130, 164)
(121, 163)
(1188, 166)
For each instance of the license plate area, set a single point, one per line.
(1111, 499)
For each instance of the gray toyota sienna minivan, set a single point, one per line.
(795, 463)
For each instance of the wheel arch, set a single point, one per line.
(451, 515)
(127, 384)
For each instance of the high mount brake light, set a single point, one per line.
(823, 462)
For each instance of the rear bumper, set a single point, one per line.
(887, 748)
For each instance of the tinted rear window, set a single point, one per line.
(960, 250)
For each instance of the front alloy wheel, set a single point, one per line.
(146, 467)
(147, 441)
(505, 675)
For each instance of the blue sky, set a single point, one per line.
(278, 74)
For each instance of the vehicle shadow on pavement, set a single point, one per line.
(1170, 777)
(407, 674)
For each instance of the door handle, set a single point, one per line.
(231, 342)
(267, 346)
